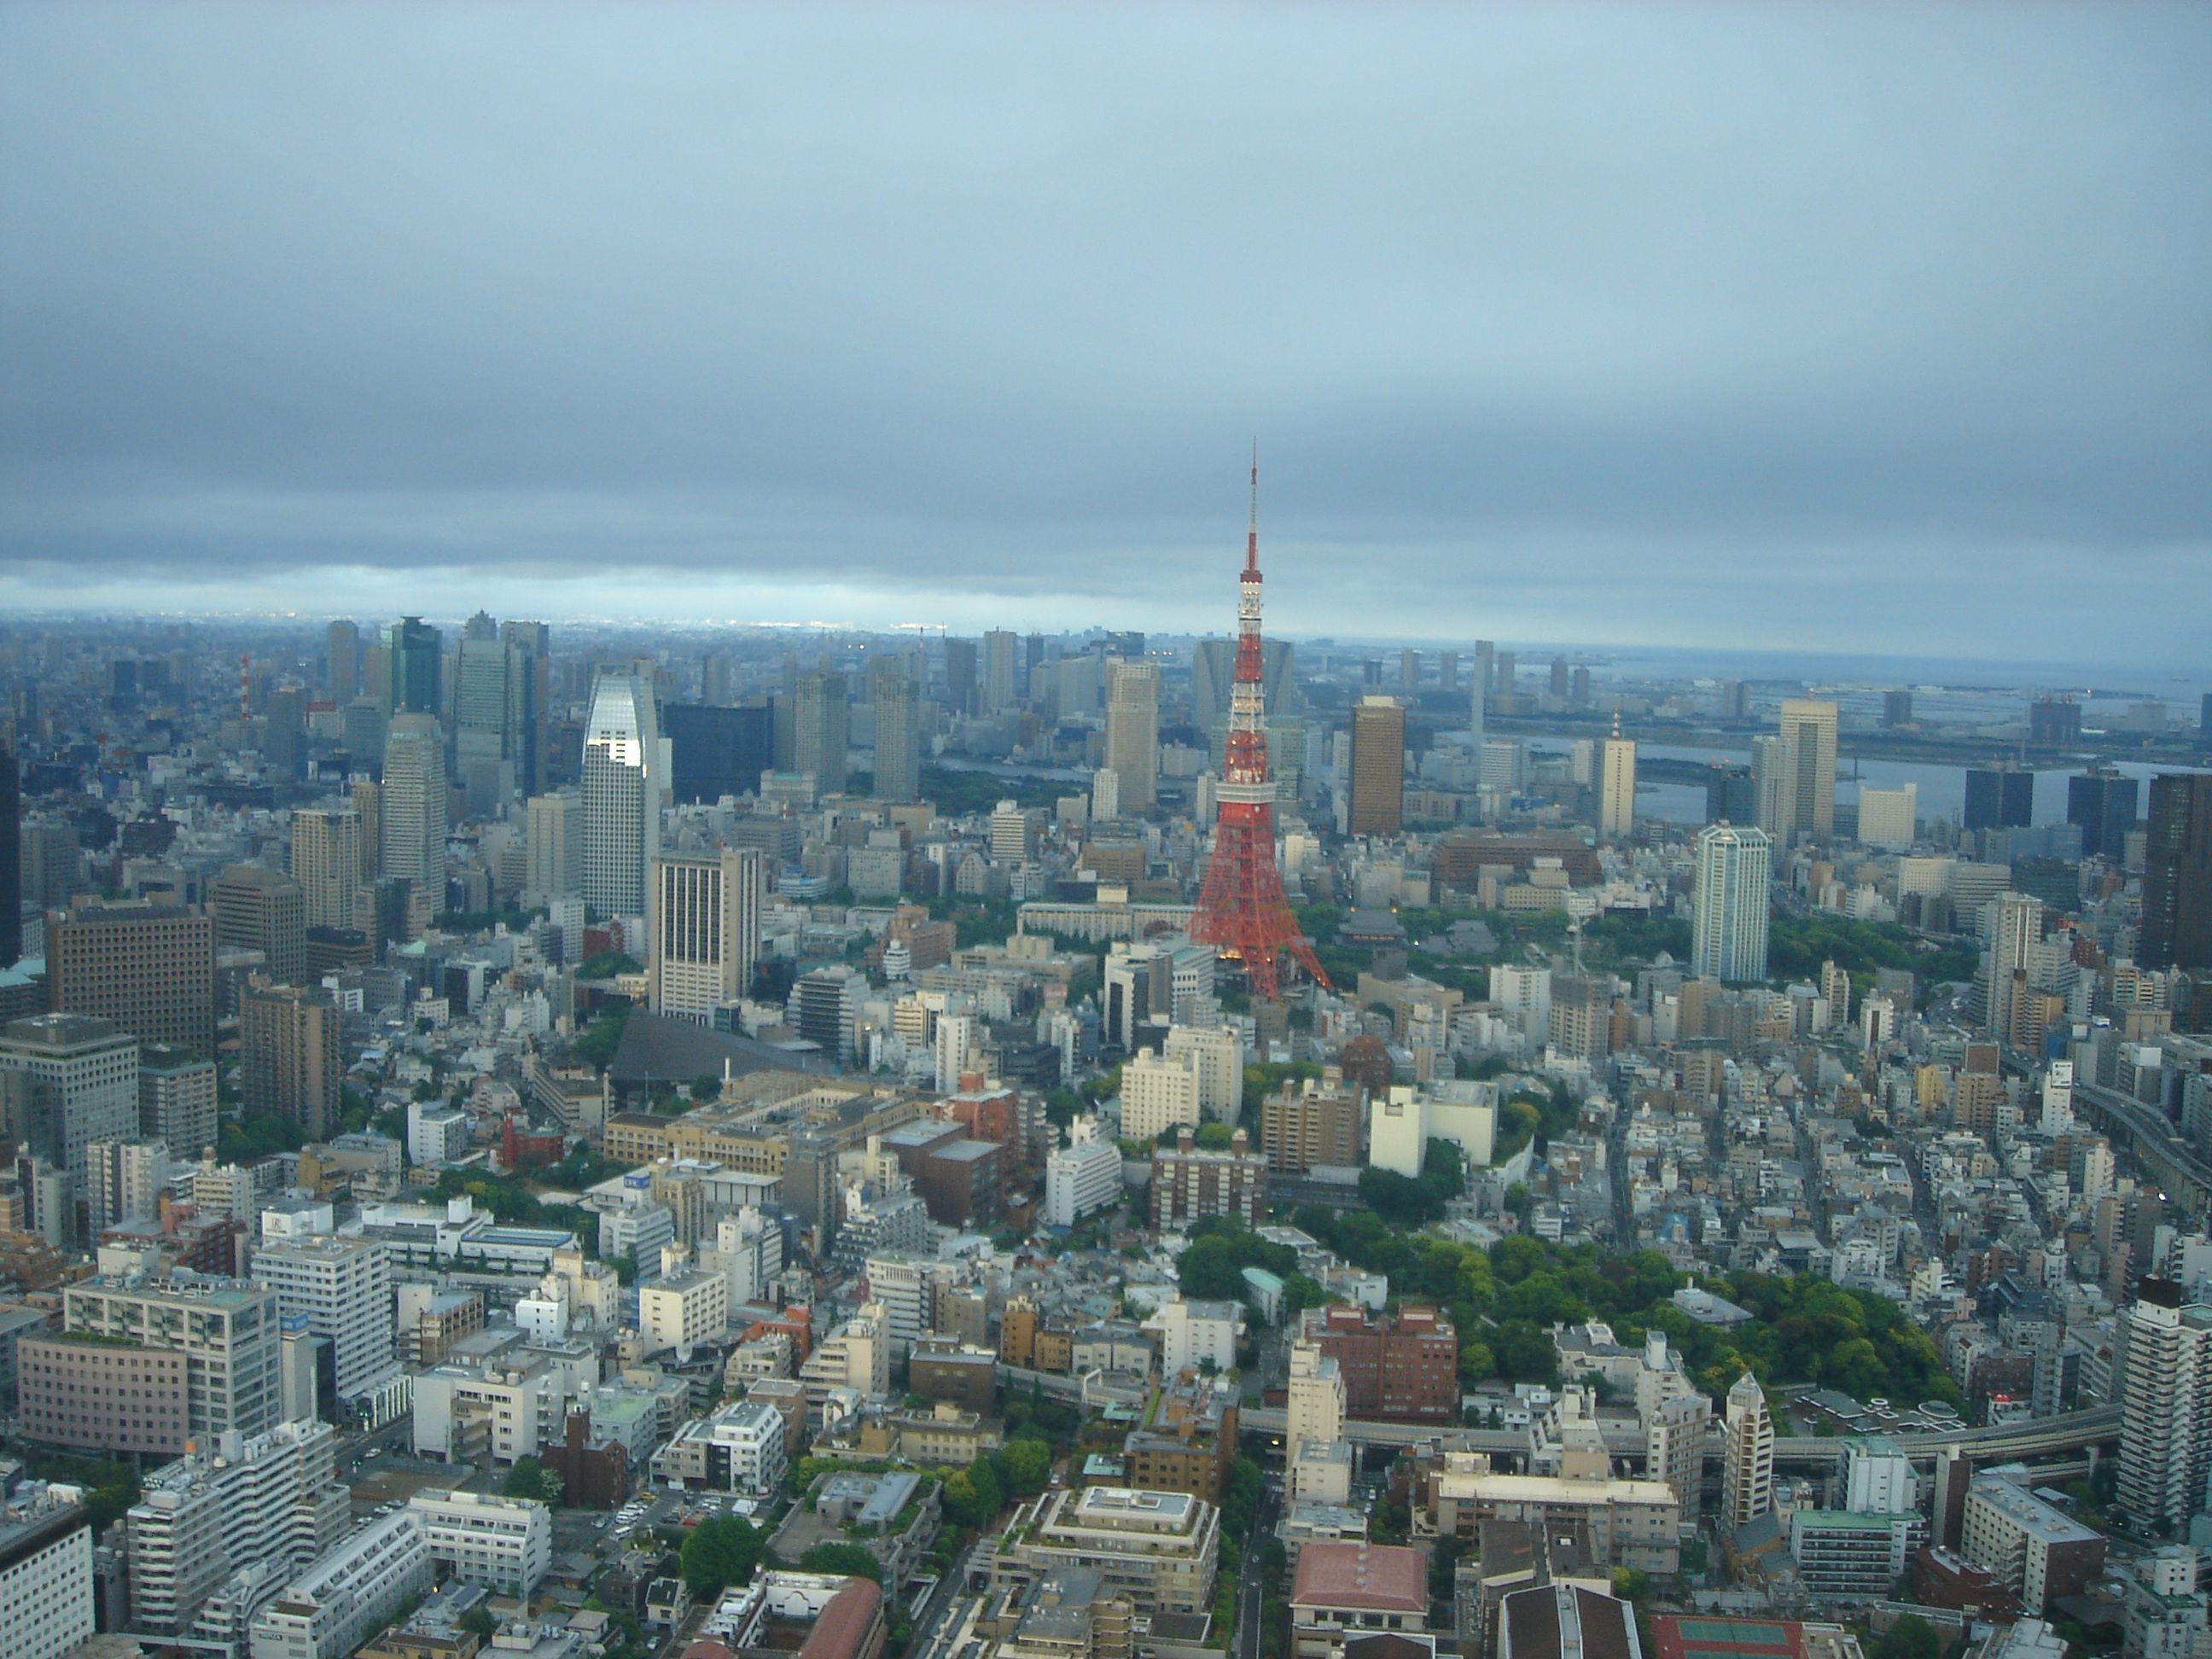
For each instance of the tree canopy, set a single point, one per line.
(723, 1550)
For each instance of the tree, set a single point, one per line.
(531, 1479)
(1911, 1637)
(722, 1552)
(853, 1560)
(478, 1622)
(1028, 1465)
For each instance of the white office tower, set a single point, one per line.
(123, 1180)
(1082, 1178)
(1105, 793)
(1158, 1091)
(1218, 1051)
(410, 814)
(1524, 995)
(243, 1501)
(1878, 1477)
(1675, 1431)
(1133, 732)
(1889, 818)
(553, 857)
(329, 1607)
(1313, 1427)
(1735, 870)
(46, 1577)
(626, 765)
(706, 921)
(2165, 1408)
(343, 1288)
(2058, 1116)
(326, 862)
(2012, 926)
(1747, 1468)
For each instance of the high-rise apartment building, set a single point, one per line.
(898, 737)
(1377, 805)
(2103, 802)
(1674, 1447)
(414, 663)
(47, 1583)
(2011, 927)
(2177, 882)
(122, 1181)
(1616, 789)
(147, 966)
(291, 1056)
(214, 1342)
(1133, 732)
(626, 765)
(1404, 1369)
(706, 915)
(410, 810)
(2165, 1421)
(80, 1084)
(1314, 1122)
(1797, 781)
(257, 908)
(1999, 797)
(237, 1503)
(1748, 1462)
(819, 730)
(343, 1288)
(177, 1099)
(1729, 929)
(326, 860)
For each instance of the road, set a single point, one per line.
(1251, 1591)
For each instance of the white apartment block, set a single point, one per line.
(1192, 1333)
(1083, 1178)
(1158, 1091)
(1219, 1053)
(343, 1288)
(436, 1134)
(327, 1610)
(505, 1544)
(45, 1581)
(740, 1449)
(503, 1409)
(683, 1310)
(242, 1503)
(858, 1355)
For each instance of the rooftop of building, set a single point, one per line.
(1381, 1577)
(2030, 1513)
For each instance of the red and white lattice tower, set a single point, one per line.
(1241, 911)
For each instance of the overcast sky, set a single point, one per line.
(1875, 328)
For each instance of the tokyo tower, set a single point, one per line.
(1241, 911)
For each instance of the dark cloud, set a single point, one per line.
(1857, 325)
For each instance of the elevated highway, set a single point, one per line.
(2151, 1137)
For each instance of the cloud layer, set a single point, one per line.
(1881, 328)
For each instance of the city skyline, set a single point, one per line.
(1853, 331)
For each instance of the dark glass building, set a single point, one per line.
(2176, 888)
(2103, 803)
(1999, 797)
(715, 752)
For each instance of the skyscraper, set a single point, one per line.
(1377, 804)
(1729, 932)
(82, 1080)
(149, 967)
(1616, 812)
(960, 676)
(819, 737)
(257, 908)
(326, 862)
(1213, 677)
(414, 667)
(1133, 732)
(2103, 802)
(342, 644)
(1801, 799)
(1478, 690)
(898, 737)
(1000, 645)
(2011, 927)
(2176, 884)
(1748, 1465)
(2166, 1410)
(1999, 797)
(625, 769)
(706, 930)
(487, 736)
(290, 1056)
(530, 668)
(410, 809)
(555, 855)
(11, 851)
(714, 750)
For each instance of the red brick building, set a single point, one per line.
(595, 1477)
(1395, 1371)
